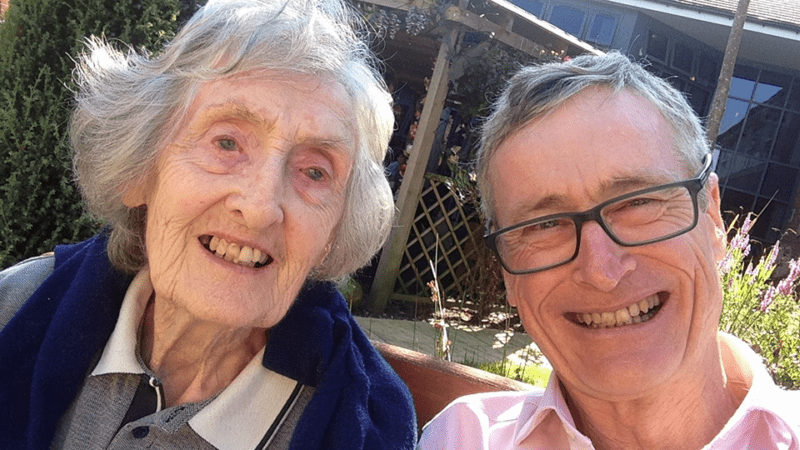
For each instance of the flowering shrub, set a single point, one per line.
(762, 309)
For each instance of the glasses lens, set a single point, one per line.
(651, 216)
(537, 245)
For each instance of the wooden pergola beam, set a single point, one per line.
(499, 32)
(562, 43)
(413, 180)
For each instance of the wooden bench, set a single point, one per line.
(435, 383)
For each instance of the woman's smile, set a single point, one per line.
(236, 253)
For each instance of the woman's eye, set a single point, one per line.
(226, 144)
(315, 173)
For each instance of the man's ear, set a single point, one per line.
(510, 291)
(713, 212)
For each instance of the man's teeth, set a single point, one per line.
(638, 312)
(232, 252)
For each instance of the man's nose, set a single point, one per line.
(259, 197)
(601, 263)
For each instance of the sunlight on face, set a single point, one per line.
(659, 303)
(247, 196)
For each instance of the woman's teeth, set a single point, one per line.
(242, 255)
(638, 312)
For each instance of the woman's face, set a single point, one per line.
(247, 197)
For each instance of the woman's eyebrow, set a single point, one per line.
(236, 110)
(231, 110)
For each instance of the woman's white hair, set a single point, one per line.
(535, 91)
(127, 103)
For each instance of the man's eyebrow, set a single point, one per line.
(633, 181)
(554, 203)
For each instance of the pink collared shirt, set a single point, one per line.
(768, 418)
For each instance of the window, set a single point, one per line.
(794, 99)
(759, 164)
(735, 111)
(736, 202)
(771, 217)
(532, 6)
(771, 88)
(787, 146)
(743, 82)
(677, 83)
(698, 98)
(682, 58)
(568, 19)
(744, 172)
(775, 185)
(759, 131)
(657, 46)
(707, 68)
(602, 30)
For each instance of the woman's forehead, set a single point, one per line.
(318, 109)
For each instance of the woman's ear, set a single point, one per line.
(134, 196)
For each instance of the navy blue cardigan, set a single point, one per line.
(46, 350)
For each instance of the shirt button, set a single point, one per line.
(140, 432)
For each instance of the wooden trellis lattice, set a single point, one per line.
(440, 213)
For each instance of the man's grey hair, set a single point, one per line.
(535, 91)
(127, 105)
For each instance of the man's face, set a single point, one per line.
(597, 146)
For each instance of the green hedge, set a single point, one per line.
(39, 204)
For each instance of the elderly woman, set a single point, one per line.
(239, 173)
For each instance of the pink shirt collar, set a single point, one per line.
(767, 413)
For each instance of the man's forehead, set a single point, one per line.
(596, 145)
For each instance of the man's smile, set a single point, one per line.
(635, 313)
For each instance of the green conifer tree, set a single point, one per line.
(39, 40)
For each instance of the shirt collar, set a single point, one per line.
(239, 416)
(541, 415)
(547, 419)
(119, 354)
(764, 399)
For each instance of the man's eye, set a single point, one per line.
(641, 201)
(548, 224)
(227, 144)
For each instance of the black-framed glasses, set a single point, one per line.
(638, 218)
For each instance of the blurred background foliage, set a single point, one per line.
(39, 41)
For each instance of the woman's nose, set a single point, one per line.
(601, 263)
(259, 198)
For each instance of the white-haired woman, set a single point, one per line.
(239, 173)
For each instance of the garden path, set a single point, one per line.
(471, 345)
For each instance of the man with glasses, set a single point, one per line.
(604, 213)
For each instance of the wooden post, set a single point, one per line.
(414, 178)
(725, 73)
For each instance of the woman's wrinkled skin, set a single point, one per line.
(262, 161)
